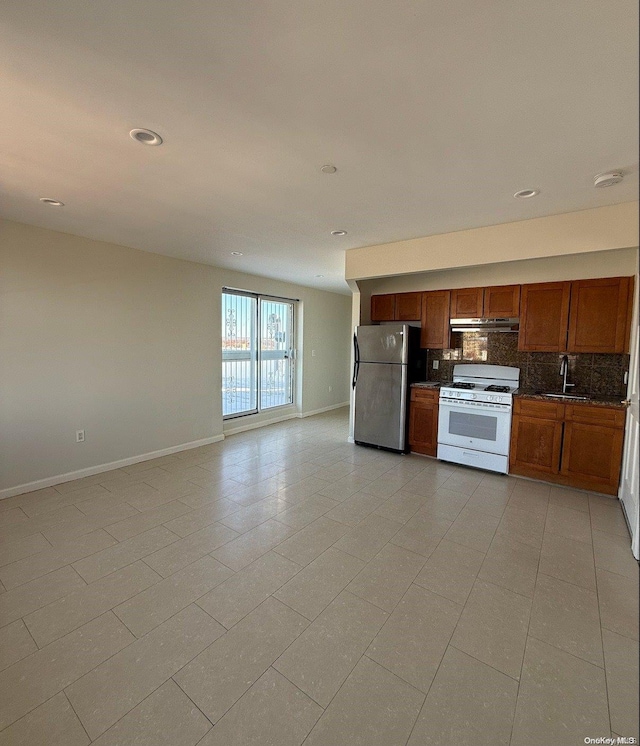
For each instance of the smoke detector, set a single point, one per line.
(609, 179)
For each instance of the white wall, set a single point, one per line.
(585, 231)
(126, 345)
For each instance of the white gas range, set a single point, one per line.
(474, 421)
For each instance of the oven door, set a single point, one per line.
(475, 426)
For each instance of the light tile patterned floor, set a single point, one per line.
(284, 587)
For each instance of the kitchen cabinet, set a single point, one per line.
(383, 307)
(408, 306)
(536, 438)
(423, 421)
(502, 302)
(576, 445)
(435, 330)
(600, 315)
(578, 316)
(396, 307)
(467, 303)
(544, 317)
(592, 447)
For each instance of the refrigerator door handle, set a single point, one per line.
(356, 361)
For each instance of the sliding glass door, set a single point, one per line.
(257, 352)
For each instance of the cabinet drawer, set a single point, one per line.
(419, 394)
(604, 416)
(546, 410)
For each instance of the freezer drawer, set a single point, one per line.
(381, 405)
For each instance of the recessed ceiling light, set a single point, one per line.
(237, 253)
(328, 169)
(526, 193)
(338, 233)
(319, 275)
(146, 137)
(52, 202)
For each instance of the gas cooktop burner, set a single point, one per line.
(462, 385)
(500, 389)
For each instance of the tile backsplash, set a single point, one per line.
(593, 374)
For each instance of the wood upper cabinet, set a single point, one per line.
(396, 307)
(423, 421)
(408, 306)
(435, 331)
(536, 438)
(592, 448)
(600, 314)
(467, 303)
(544, 317)
(502, 302)
(383, 307)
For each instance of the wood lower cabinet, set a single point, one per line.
(423, 421)
(536, 438)
(574, 445)
(592, 448)
(435, 333)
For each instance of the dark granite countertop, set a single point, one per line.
(427, 384)
(598, 401)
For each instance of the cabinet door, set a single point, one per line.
(544, 317)
(408, 306)
(535, 446)
(383, 307)
(598, 316)
(592, 456)
(435, 331)
(466, 303)
(423, 426)
(502, 302)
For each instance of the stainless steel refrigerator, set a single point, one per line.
(386, 361)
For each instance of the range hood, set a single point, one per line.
(484, 325)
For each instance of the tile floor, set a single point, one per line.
(284, 587)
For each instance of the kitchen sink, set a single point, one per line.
(575, 397)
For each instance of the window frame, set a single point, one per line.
(257, 345)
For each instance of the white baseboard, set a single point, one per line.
(282, 418)
(91, 470)
(261, 423)
(324, 409)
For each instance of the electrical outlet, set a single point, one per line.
(436, 364)
(330, 389)
(79, 436)
(313, 353)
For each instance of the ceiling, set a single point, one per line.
(434, 114)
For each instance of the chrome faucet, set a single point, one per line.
(564, 372)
